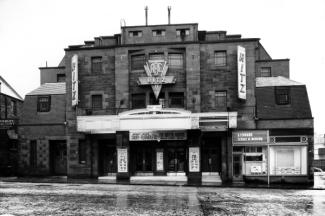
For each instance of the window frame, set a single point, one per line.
(170, 59)
(217, 97)
(279, 91)
(60, 76)
(136, 33)
(135, 63)
(162, 32)
(222, 58)
(93, 96)
(48, 103)
(176, 95)
(95, 68)
(266, 68)
(133, 99)
(184, 32)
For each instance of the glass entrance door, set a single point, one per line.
(237, 166)
(144, 159)
(176, 159)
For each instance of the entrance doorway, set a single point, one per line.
(211, 155)
(107, 157)
(58, 157)
(237, 166)
(144, 158)
(176, 159)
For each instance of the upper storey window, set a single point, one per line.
(220, 58)
(159, 32)
(135, 33)
(176, 60)
(182, 32)
(96, 65)
(156, 56)
(265, 72)
(282, 95)
(43, 103)
(60, 77)
(137, 62)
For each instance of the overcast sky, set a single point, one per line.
(35, 31)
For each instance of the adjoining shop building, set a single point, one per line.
(168, 101)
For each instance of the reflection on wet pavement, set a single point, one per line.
(90, 199)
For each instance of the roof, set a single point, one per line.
(6, 89)
(49, 89)
(275, 81)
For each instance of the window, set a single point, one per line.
(33, 153)
(282, 95)
(135, 33)
(82, 151)
(137, 62)
(285, 158)
(265, 72)
(221, 99)
(138, 101)
(11, 108)
(175, 61)
(96, 65)
(220, 58)
(153, 100)
(44, 103)
(96, 101)
(176, 99)
(253, 157)
(158, 32)
(321, 151)
(182, 32)
(253, 149)
(156, 56)
(60, 77)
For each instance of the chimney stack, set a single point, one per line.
(169, 8)
(146, 10)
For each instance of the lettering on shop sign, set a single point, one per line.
(122, 160)
(7, 123)
(156, 75)
(74, 79)
(158, 135)
(241, 67)
(250, 137)
(194, 159)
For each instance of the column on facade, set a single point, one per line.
(194, 157)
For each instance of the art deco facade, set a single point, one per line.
(170, 103)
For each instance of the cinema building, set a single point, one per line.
(171, 103)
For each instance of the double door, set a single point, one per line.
(176, 158)
(58, 157)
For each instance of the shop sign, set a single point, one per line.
(194, 159)
(7, 123)
(160, 160)
(74, 79)
(156, 75)
(241, 67)
(252, 137)
(158, 135)
(122, 160)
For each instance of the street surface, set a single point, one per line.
(109, 199)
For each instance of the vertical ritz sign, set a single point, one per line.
(74, 79)
(241, 64)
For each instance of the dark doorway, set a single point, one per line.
(143, 157)
(107, 161)
(58, 157)
(176, 158)
(237, 166)
(211, 155)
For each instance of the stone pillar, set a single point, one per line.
(123, 156)
(229, 156)
(194, 157)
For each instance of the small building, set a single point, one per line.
(170, 102)
(10, 106)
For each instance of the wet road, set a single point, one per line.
(99, 199)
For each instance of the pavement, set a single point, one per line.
(26, 198)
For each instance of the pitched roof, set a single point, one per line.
(6, 89)
(49, 89)
(275, 81)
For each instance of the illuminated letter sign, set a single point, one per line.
(74, 79)
(241, 64)
(156, 72)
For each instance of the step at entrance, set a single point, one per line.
(152, 180)
(211, 178)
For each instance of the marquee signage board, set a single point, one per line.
(157, 135)
(156, 75)
(241, 67)
(251, 137)
(74, 79)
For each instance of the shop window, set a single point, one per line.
(175, 60)
(321, 151)
(135, 33)
(253, 158)
(282, 95)
(82, 151)
(176, 99)
(265, 71)
(156, 56)
(43, 103)
(182, 32)
(137, 62)
(220, 58)
(138, 101)
(96, 102)
(221, 99)
(33, 153)
(60, 77)
(158, 32)
(253, 149)
(285, 158)
(96, 65)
